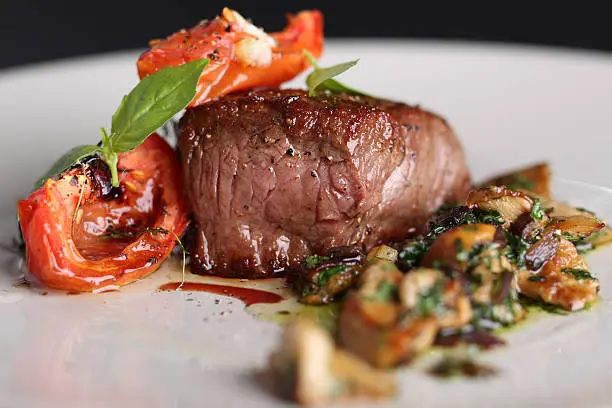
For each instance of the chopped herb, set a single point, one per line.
(537, 278)
(579, 274)
(314, 260)
(462, 254)
(386, 292)
(569, 236)
(412, 254)
(487, 262)
(586, 244)
(573, 238)
(536, 210)
(516, 249)
(489, 217)
(462, 215)
(326, 274)
(543, 306)
(431, 303)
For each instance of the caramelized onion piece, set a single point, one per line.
(526, 227)
(543, 250)
(563, 281)
(576, 226)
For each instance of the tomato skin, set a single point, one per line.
(216, 40)
(55, 244)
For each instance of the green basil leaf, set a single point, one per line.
(322, 78)
(154, 101)
(69, 159)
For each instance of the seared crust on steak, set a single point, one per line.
(274, 176)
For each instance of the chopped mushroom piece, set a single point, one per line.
(380, 340)
(392, 317)
(378, 280)
(368, 325)
(493, 286)
(562, 281)
(324, 279)
(428, 292)
(452, 248)
(472, 250)
(510, 204)
(310, 370)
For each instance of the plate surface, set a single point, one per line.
(141, 348)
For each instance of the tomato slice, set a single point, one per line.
(217, 40)
(82, 235)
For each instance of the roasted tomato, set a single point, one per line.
(241, 55)
(83, 235)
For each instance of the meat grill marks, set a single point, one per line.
(274, 176)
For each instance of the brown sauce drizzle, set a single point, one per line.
(247, 295)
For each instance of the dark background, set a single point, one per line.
(38, 30)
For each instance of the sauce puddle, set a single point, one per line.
(248, 295)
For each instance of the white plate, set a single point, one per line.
(510, 106)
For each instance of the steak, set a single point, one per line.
(273, 176)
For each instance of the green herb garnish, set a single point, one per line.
(536, 211)
(537, 278)
(431, 303)
(386, 292)
(516, 249)
(325, 275)
(462, 254)
(412, 254)
(579, 274)
(313, 260)
(154, 101)
(540, 304)
(322, 78)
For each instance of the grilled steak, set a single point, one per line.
(274, 176)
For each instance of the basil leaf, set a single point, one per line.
(69, 159)
(321, 78)
(154, 101)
